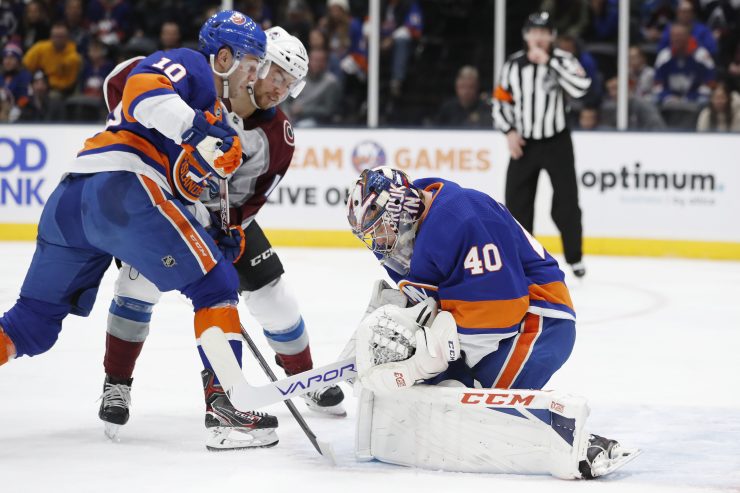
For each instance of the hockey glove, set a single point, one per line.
(431, 348)
(213, 144)
(231, 244)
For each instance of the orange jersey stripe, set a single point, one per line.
(182, 225)
(138, 84)
(520, 351)
(487, 314)
(554, 292)
(130, 139)
(6, 347)
(225, 318)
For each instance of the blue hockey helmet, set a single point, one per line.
(383, 210)
(234, 30)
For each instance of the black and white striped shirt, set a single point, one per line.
(529, 97)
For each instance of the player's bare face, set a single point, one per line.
(273, 89)
(245, 73)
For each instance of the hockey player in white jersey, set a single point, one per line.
(268, 146)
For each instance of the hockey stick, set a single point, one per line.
(322, 448)
(223, 202)
(245, 396)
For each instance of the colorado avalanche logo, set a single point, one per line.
(238, 19)
(367, 155)
(288, 133)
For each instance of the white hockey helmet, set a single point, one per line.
(288, 53)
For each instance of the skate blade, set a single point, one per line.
(628, 455)
(223, 439)
(111, 431)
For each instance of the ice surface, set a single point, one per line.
(657, 355)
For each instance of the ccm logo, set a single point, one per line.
(496, 399)
(399, 379)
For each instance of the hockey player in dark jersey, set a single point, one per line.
(508, 318)
(267, 141)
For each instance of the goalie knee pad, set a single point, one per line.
(33, 326)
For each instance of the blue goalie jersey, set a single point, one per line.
(482, 266)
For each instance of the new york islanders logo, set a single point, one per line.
(188, 177)
(367, 155)
(238, 19)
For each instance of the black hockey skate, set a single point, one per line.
(326, 400)
(579, 269)
(114, 404)
(231, 429)
(604, 456)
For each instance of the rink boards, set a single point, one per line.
(655, 194)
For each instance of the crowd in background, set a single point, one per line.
(436, 57)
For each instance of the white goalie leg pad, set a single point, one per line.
(474, 430)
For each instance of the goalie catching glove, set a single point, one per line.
(397, 347)
(213, 144)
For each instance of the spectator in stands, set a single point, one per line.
(684, 72)
(347, 51)
(40, 107)
(298, 20)
(74, 17)
(110, 20)
(641, 75)
(603, 20)
(569, 17)
(733, 67)
(320, 96)
(654, 17)
(347, 56)
(11, 14)
(169, 36)
(96, 69)
(16, 79)
(700, 33)
(401, 25)
(588, 118)
(258, 11)
(35, 25)
(466, 109)
(58, 58)
(642, 114)
(723, 112)
(593, 96)
(317, 40)
(7, 105)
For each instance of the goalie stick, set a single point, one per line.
(322, 448)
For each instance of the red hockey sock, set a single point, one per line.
(120, 357)
(295, 363)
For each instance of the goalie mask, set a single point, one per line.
(383, 211)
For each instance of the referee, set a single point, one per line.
(529, 107)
